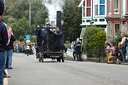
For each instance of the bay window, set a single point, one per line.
(99, 7)
(110, 31)
(116, 6)
(117, 28)
(109, 6)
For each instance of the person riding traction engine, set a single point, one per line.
(46, 32)
(59, 40)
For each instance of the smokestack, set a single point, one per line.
(59, 19)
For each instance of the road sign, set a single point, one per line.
(27, 38)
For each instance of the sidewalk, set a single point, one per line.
(70, 55)
(84, 57)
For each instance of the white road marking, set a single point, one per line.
(6, 79)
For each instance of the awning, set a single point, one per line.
(82, 1)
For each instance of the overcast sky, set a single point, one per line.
(53, 8)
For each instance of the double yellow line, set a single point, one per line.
(6, 79)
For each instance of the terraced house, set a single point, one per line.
(93, 13)
(117, 17)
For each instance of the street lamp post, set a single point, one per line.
(30, 13)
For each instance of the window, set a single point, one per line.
(96, 7)
(84, 8)
(102, 7)
(99, 7)
(116, 6)
(126, 28)
(117, 28)
(88, 8)
(109, 31)
(109, 6)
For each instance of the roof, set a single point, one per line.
(82, 1)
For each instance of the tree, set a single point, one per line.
(20, 28)
(17, 16)
(117, 39)
(72, 19)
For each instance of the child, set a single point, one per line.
(108, 49)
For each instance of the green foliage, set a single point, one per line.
(72, 19)
(67, 45)
(94, 40)
(117, 39)
(17, 16)
(33, 39)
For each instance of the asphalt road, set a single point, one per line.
(28, 71)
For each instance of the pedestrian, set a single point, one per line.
(16, 47)
(8, 52)
(72, 48)
(108, 46)
(123, 49)
(28, 50)
(3, 41)
(126, 45)
(33, 47)
(77, 47)
(116, 55)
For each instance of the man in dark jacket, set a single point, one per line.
(3, 41)
(77, 47)
(59, 40)
(46, 32)
(39, 35)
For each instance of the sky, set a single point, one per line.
(55, 6)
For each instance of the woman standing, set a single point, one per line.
(9, 49)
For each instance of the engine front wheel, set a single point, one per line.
(63, 59)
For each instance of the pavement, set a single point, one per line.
(28, 71)
(70, 55)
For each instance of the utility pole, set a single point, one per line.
(30, 13)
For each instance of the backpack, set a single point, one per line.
(126, 41)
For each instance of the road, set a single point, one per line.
(28, 71)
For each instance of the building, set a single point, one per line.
(93, 13)
(117, 17)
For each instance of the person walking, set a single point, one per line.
(3, 41)
(8, 52)
(123, 49)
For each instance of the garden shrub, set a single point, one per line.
(94, 41)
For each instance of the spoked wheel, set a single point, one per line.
(63, 59)
(37, 55)
(59, 59)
